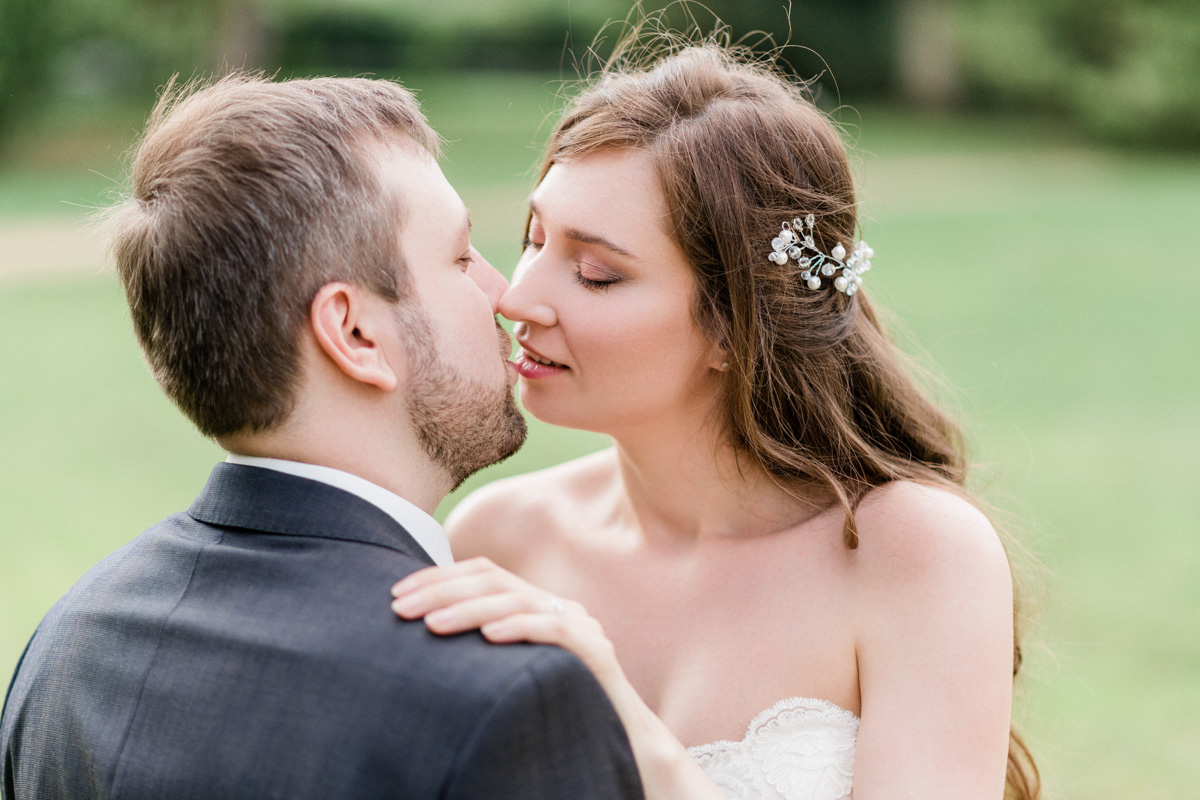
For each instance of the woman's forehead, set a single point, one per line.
(616, 190)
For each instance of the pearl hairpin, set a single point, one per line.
(795, 241)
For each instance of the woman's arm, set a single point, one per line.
(478, 594)
(934, 648)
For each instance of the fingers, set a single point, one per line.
(479, 611)
(551, 621)
(467, 595)
(448, 591)
(436, 587)
(575, 631)
(539, 628)
(478, 594)
(432, 575)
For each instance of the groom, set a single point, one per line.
(302, 282)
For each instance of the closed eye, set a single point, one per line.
(594, 285)
(588, 283)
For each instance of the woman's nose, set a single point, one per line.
(527, 299)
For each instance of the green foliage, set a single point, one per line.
(393, 41)
(1125, 70)
(28, 40)
(848, 45)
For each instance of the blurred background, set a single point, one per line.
(1030, 178)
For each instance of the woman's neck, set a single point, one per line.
(686, 482)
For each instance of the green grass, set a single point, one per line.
(1054, 286)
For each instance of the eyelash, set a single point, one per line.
(587, 283)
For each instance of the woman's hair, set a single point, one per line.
(816, 393)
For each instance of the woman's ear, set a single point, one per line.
(718, 358)
(350, 327)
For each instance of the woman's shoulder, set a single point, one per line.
(910, 533)
(494, 519)
(933, 617)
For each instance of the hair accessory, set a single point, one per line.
(795, 241)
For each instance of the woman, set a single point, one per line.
(776, 564)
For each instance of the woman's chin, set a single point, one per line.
(554, 411)
(555, 417)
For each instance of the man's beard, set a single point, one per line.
(464, 425)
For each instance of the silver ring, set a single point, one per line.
(557, 607)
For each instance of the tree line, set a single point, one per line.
(1122, 71)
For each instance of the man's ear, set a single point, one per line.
(350, 326)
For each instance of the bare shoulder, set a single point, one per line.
(495, 519)
(925, 537)
(933, 645)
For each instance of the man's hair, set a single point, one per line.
(245, 197)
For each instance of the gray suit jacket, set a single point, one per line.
(246, 649)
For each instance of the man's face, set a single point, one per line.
(459, 387)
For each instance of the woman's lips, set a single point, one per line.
(530, 365)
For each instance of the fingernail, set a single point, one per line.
(406, 605)
(496, 628)
(400, 588)
(440, 617)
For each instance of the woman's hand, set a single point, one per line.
(478, 594)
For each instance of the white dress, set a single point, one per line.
(799, 749)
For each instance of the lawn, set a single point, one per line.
(1053, 285)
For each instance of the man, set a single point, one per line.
(302, 282)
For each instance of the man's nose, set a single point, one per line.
(489, 279)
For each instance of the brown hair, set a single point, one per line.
(246, 196)
(816, 392)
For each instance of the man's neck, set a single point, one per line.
(403, 470)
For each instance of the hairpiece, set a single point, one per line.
(795, 240)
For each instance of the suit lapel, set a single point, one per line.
(264, 500)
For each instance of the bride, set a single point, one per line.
(775, 572)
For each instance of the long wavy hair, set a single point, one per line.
(816, 392)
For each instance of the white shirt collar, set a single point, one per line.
(425, 529)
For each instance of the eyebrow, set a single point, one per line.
(589, 238)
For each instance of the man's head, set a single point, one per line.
(458, 391)
(249, 201)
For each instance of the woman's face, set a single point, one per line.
(605, 296)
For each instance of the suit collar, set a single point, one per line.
(273, 502)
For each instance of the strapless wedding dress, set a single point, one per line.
(799, 749)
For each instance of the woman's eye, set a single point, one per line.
(527, 243)
(594, 285)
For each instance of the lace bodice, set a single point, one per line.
(799, 749)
